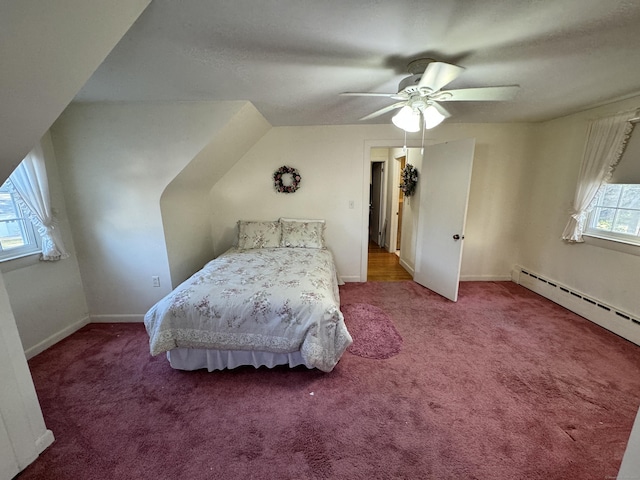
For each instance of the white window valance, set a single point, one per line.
(606, 140)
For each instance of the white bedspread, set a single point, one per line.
(272, 299)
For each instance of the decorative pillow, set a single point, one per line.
(258, 234)
(302, 233)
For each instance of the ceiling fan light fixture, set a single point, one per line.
(432, 117)
(421, 94)
(407, 119)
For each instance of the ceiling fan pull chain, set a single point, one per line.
(404, 148)
(423, 129)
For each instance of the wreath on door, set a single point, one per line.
(409, 180)
(285, 172)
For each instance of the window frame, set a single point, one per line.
(592, 231)
(33, 245)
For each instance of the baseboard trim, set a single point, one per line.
(618, 321)
(131, 318)
(350, 278)
(55, 338)
(407, 267)
(44, 441)
(485, 278)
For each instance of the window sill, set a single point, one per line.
(22, 261)
(616, 245)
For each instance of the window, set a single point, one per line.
(17, 234)
(616, 213)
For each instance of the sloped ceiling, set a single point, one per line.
(48, 50)
(291, 58)
(185, 203)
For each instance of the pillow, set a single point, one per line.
(302, 233)
(258, 234)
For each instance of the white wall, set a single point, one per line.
(605, 274)
(394, 179)
(47, 298)
(410, 215)
(331, 163)
(115, 161)
(503, 155)
(393, 182)
(330, 160)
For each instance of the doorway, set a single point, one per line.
(385, 207)
(376, 201)
(385, 151)
(432, 239)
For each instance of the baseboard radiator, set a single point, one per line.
(618, 321)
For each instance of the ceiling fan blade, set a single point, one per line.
(395, 96)
(367, 94)
(480, 94)
(441, 109)
(439, 74)
(384, 110)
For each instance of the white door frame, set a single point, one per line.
(395, 194)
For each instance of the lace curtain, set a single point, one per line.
(29, 182)
(606, 139)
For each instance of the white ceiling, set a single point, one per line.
(291, 58)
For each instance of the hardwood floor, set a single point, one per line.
(384, 266)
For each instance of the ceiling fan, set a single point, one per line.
(420, 95)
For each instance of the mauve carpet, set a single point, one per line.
(500, 385)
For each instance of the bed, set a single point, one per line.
(271, 300)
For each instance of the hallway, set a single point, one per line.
(384, 266)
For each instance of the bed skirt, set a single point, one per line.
(199, 358)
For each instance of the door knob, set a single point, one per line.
(458, 237)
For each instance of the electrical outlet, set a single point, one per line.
(155, 281)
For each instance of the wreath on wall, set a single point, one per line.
(283, 173)
(409, 180)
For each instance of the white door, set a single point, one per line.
(8, 462)
(444, 191)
